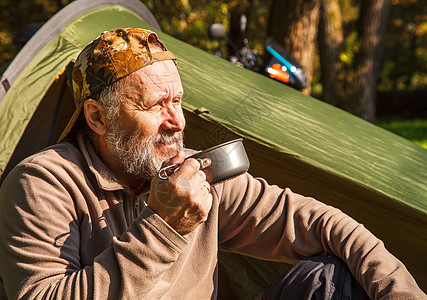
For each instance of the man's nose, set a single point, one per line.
(174, 120)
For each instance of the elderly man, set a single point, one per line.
(89, 218)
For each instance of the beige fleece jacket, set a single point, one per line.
(70, 230)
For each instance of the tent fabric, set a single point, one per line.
(44, 57)
(54, 27)
(292, 140)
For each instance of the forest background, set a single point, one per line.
(368, 57)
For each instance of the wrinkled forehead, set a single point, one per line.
(153, 83)
(164, 72)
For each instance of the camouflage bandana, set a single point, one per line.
(110, 57)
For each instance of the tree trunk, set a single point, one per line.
(295, 24)
(330, 40)
(372, 26)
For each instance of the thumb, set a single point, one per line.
(168, 167)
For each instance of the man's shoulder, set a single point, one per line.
(58, 163)
(60, 156)
(59, 151)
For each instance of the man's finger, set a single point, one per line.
(188, 168)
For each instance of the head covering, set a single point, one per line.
(110, 57)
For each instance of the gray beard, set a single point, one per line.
(137, 156)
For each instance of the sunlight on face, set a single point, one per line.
(149, 129)
(137, 154)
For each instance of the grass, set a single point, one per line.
(413, 130)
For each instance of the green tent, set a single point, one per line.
(295, 141)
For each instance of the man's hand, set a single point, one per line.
(183, 200)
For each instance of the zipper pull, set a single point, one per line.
(136, 207)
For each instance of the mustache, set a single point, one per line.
(167, 137)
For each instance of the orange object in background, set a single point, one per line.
(277, 73)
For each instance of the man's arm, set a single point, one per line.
(271, 223)
(40, 245)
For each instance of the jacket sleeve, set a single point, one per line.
(40, 245)
(270, 223)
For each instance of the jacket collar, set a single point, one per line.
(104, 176)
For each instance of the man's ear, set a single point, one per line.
(94, 115)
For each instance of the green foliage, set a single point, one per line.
(413, 130)
(405, 48)
(351, 43)
(351, 47)
(189, 20)
(16, 16)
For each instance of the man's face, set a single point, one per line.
(149, 128)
